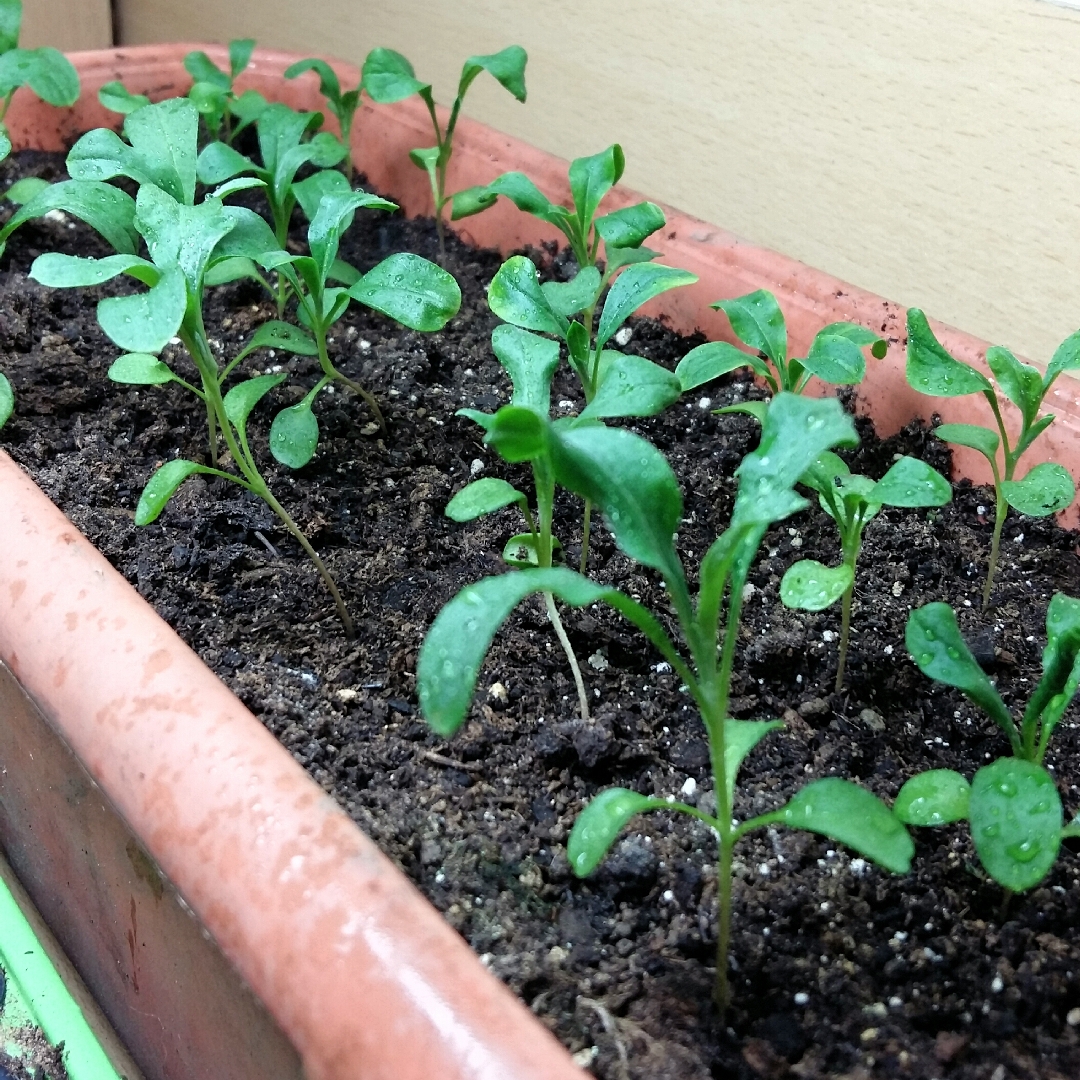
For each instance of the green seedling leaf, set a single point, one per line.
(202, 69)
(1061, 665)
(58, 271)
(518, 434)
(930, 368)
(218, 162)
(103, 207)
(935, 644)
(247, 108)
(911, 482)
(570, 297)
(240, 50)
(329, 84)
(5, 143)
(811, 586)
(507, 67)
(162, 486)
(1066, 358)
(598, 826)
(522, 551)
(627, 228)
(971, 435)
(210, 103)
(935, 797)
(526, 196)
(47, 72)
(845, 812)
(282, 335)
(591, 178)
(471, 200)
(389, 77)
(249, 237)
(243, 397)
(483, 496)
(530, 361)
(756, 409)
(294, 434)
(7, 400)
(119, 99)
(10, 24)
(711, 360)
(411, 290)
(231, 187)
(758, 322)
(1020, 383)
(836, 353)
(335, 214)
(740, 737)
(24, 190)
(631, 386)
(140, 369)
(1016, 821)
(515, 296)
(618, 257)
(232, 269)
(635, 286)
(145, 322)
(1045, 490)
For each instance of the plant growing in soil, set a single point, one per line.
(388, 77)
(404, 287)
(341, 103)
(852, 502)
(614, 384)
(633, 485)
(1013, 803)
(46, 71)
(225, 112)
(1044, 489)
(184, 240)
(835, 355)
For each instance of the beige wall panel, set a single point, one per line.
(928, 151)
(67, 24)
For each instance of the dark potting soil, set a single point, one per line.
(838, 968)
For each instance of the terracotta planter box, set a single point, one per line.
(229, 918)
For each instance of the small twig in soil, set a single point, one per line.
(450, 763)
(266, 544)
(611, 1027)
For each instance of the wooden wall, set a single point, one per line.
(67, 24)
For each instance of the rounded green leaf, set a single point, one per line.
(162, 486)
(845, 812)
(140, 369)
(294, 434)
(507, 67)
(284, 336)
(243, 397)
(931, 370)
(471, 200)
(7, 400)
(811, 586)
(1046, 489)
(836, 353)
(599, 824)
(411, 290)
(758, 322)
(911, 482)
(218, 162)
(22, 191)
(518, 433)
(709, 361)
(59, 271)
(119, 99)
(521, 550)
(570, 297)
(516, 297)
(631, 386)
(631, 225)
(47, 72)
(483, 496)
(1016, 821)
(389, 77)
(934, 797)
(635, 286)
(971, 435)
(145, 322)
(530, 361)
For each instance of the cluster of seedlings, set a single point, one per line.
(179, 236)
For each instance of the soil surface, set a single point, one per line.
(839, 969)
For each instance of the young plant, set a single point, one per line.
(835, 355)
(341, 103)
(633, 485)
(404, 287)
(213, 93)
(46, 71)
(117, 98)
(1012, 804)
(184, 240)
(389, 77)
(1044, 489)
(614, 384)
(852, 502)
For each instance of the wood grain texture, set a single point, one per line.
(929, 152)
(67, 24)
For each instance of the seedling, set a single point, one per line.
(7, 400)
(225, 112)
(117, 98)
(46, 71)
(614, 384)
(404, 287)
(633, 485)
(1013, 803)
(389, 77)
(1044, 489)
(184, 241)
(341, 103)
(835, 356)
(852, 501)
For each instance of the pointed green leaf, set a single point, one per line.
(240, 50)
(119, 99)
(59, 271)
(218, 162)
(411, 290)
(202, 69)
(483, 496)
(847, 813)
(591, 178)
(294, 435)
(162, 486)
(140, 369)
(22, 191)
(811, 586)
(1046, 489)
(507, 67)
(530, 361)
(103, 207)
(1058, 685)
(569, 298)
(471, 200)
(930, 368)
(515, 296)
(47, 72)
(756, 409)
(635, 286)
(282, 335)
(329, 84)
(1016, 821)
(740, 737)
(526, 196)
(629, 227)
(1066, 358)
(911, 482)
(709, 361)
(836, 353)
(631, 386)
(971, 435)
(144, 322)
(826, 473)
(934, 797)
(7, 400)
(178, 235)
(389, 77)
(1020, 383)
(758, 322)
(333, 216)
(249, 237)
(598, 826)
(243, 397)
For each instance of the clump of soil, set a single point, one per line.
(838, 968)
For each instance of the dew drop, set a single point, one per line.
(1025, 851)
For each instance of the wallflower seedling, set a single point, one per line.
(213, 93)
(634, 487)
(389, 77)
(341, 103)
(1013, 803)
(1044, 489)
(852, 502)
